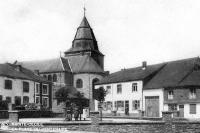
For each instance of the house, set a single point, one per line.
(19, 85)
(81, 67)
(176, 87)
(125, 88)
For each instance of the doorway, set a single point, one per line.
(152, 106)
(126, 107)
(181, 110)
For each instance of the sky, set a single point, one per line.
(128, 31)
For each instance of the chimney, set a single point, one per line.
(19, 68)
(36, 71)
(144, 65)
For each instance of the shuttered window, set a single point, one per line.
(192, 108)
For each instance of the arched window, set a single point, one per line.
(79, 83)
(54, 78)
(94, 81)
(49, 77)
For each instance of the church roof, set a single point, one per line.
(84, 64)
(74, 64)
(51, 65)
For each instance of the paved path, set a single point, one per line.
(60, 120)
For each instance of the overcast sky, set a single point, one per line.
(128, 31)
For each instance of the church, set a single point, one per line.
(81, 66)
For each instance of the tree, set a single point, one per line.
(99, 94)
(62, 94)
(72, 98)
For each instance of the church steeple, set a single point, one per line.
(85, 43)
(84, 39)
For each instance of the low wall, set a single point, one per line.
(34, 114)
(4, 114)
(132, 127)
(27, 114)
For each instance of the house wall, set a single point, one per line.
(155, 92)
(181, 95)
(17, 89)
(126, 95)
(187, 111)
(87, 85)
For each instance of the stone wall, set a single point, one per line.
(167, 125)
(135, 127)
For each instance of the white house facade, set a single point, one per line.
(22, 86)
(124, 97)
(175, 88)
(125, 90)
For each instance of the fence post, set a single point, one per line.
(168, 119)
(13, 116)
(95, 120)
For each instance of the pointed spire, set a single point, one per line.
(84, 23)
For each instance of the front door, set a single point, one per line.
(152, 106)
(181, 110)
(126, 107)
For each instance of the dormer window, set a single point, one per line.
(196, 67)
(170, 94)
(192, 94)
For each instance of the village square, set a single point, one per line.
(76, 92)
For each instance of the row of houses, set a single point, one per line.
(19, 86)
(150, 89)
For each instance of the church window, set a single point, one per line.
(79, 83)
(49, 77)
(94, 81)
(54, 78)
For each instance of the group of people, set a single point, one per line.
(75, 112)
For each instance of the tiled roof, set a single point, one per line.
(9, 71)
(51, 65)
(175, 73)
(192, 79)
(131, 74)
(84, 63)
(16, 71)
